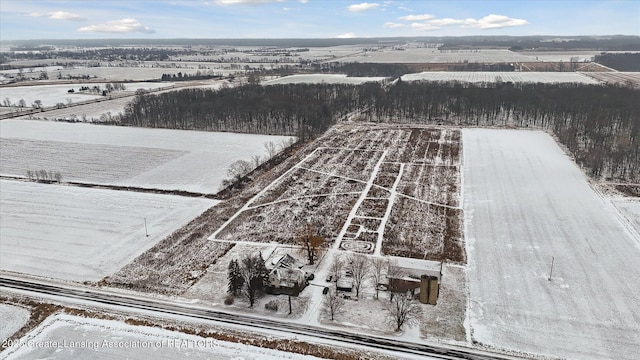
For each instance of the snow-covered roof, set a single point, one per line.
(416, 267)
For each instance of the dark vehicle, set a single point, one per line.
(325, 290)
(329, 277)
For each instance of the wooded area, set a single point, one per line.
(599, 125)
(619, 61)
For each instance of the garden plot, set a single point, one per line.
(496, 76)
(526, 202)
(72, 337)
(357, 193)
(110, 155)
(83, 234)
(13, 318)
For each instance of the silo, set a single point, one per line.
(433, 290)
(424, 289)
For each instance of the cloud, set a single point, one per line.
(424, 27)
(58, 15)
(127, 25)
(349, 35)
(493, 21)
(244, 2)
(393, 25)
(363, 7)
(430, 22)
(417, 17)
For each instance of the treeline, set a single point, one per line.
(187, 77)
(599, 125)
(619, 61)
(302, 110)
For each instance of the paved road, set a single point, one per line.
(103, 299)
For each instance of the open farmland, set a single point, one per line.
(431, 55)
(110, 339)
(13, 318)
(321, 78)
(390, 190)
(617, 77)
(150, 158)
(50, 95)
(498, 76)
(526, 202)
(83, 234)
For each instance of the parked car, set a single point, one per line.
(325, 290)
(311, 276)
(329, 277)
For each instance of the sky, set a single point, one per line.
(222, 19)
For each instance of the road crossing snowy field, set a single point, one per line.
(527, 203)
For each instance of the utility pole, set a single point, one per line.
(551, 271)
(145, 227)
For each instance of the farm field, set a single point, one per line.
(50, 95)
(378, 190)
(630, 210)
(150, 158)
(321, 78)
(617, 77)
(82, 234)
(13, 318)
(431, 55)
(110, 339)
(525, 202)
(495, 76)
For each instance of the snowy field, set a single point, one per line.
(431, 55)
(630, 210)
(321, 78)
(495, 76)
(151, 158)
(526, 202)
(73, 337)
(50, 95)
(13, 318)
(82, 234)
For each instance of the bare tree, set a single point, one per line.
(6, 102)
(310, 242)
(22, 103)
(358, 264)
(57, 176)
(239, 169)
(402, 310)
(333, 304)
(30, 175)
(254, 273)
(37, 104)
(271, 149)
(257, 160)
(378, 266)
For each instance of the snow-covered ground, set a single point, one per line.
(50, 95)
(630, 210)
(321, 78)
(70, 337)
(527, 203)
(152, 158)
(81, 234)
(495, 76)
(12, 318)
